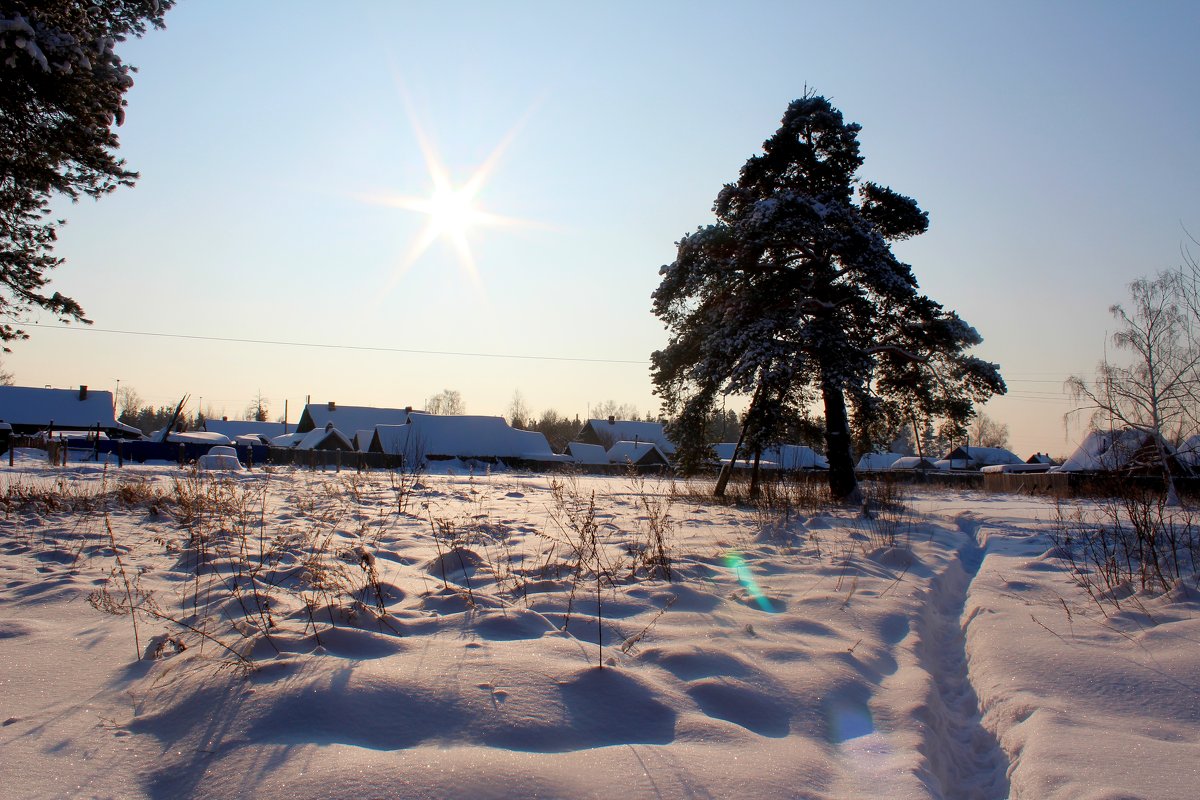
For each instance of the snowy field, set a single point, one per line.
(335, 635)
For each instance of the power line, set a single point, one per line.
(325, 346)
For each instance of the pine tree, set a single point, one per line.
(62, 89)
(794, 296)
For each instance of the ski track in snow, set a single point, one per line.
(965, 758)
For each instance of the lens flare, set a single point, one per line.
(741, 570)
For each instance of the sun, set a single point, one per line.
(452, 210)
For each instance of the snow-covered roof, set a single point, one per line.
(327, 438)
(362, 439)
(1040, 458)
(234, 428)
(609, 432)
(195, 437)
(913, 462)
(1189, 451)
(784, 456)
(350, 418)
(970, 457)
(66, 408)
(585, 453)
(872, 461)
(636, 453)
(438, 436)
(250, 440)
(287, 440)
(1105, 451)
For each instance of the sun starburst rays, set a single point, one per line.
(452, 210)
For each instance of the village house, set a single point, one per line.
(31, 410)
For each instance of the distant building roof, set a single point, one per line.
(287, 440)
(327, 438)
(871, 461)
(912, 462)
(350, 418)
(585, 453)
(607, 432)
(1126, 450)
(437, 436)
(784, 456)
(30, 409)
(234, 428)
(970, 457)
(639, 454)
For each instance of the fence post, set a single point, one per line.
(120, 453)
(337, 461)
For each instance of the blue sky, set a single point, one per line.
(1053, 145)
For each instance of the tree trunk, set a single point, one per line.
(727, 470)
(843, 485)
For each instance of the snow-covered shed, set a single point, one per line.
(31, 409)
(639, 454)
(877, 461)
(435, 436)
(971, 457)
(607, 432)
(233, 428)
(784, 456)
(1128, 450)
(589, 454)
(350, 418)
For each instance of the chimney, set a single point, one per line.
(612, 420)
(224, 419)
(83, 392)
(332, 406)
(408, 409)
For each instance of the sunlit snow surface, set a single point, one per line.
(784, 658)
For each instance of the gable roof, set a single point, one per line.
(327, 438)
(461, 436)
(970, 457)
(640, 454)
(607, 432)
(1189, 451)
(362, 439)
(1128, 450)
(34, 408)
(350, 418)
(585, 453)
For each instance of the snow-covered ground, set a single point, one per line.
(450, 639)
